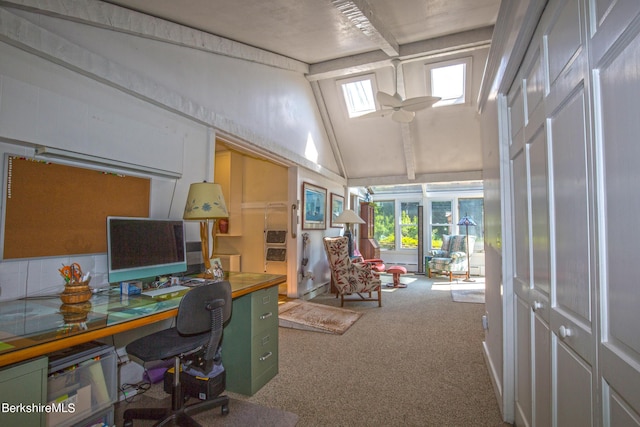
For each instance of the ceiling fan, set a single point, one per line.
(401, 110)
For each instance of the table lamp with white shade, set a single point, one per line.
(348, 217)
(205, 202)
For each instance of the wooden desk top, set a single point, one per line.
(38, 326)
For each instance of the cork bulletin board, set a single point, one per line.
(53, 209)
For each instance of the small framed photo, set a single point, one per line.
(337, 206)
(314, 207)
(216, 266)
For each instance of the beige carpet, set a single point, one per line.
(309, 316)
(241, 413)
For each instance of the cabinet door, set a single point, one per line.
(24, 383)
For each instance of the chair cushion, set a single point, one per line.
(398, 269)
(165, 344)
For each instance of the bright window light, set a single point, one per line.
(449, 82)
(358, 96)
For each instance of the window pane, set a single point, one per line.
(473, 208)
(440, 220)
(359, 97)
(385, 224)
(448, 83)
(409, 225)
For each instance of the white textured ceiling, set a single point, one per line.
(318, 33)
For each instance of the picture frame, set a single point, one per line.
(314, 207)
(337, 206)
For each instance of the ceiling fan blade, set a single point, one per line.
(403, 116)
(387, 100)
(377, 113)
(420, 102)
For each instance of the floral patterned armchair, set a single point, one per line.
(351, 276)
(451, 258)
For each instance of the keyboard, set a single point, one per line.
(164, 291)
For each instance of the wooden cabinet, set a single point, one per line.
(250, 343)
(229, 174)
(369, 247)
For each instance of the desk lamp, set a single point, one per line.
(467, 221)
(205, 202)
(348, 217)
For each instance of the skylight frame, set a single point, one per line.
(367, 86)
(465, 82)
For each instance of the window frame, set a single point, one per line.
(340, 84)
(466, 97)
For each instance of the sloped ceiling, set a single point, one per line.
(344, 38)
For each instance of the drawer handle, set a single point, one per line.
(266, 315)
(266, 356)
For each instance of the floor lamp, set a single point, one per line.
(467, 221)
(348, 217)
(205, 202)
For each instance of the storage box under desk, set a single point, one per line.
(81, 382)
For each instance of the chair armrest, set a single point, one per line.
(456, 255)
(439, 253)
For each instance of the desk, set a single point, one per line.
(34, 327)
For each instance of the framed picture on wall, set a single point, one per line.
(314, 207)
(337, 206)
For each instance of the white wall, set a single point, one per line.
(155, 104)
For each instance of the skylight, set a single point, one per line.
(449, 81)
(358, 95)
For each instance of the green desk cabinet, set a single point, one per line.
(24, 383)
(250, 342)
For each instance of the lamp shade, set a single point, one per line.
(467, 220)
(348, 217)
(205, 201)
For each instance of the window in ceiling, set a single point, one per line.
(358, 95)
(450, 81)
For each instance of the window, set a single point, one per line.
(474, 208)
(385, 226)
(396, 232)
(358, 95)
(449, 80)
(441, 221)
(409, 225)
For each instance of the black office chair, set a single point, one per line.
(194, 343)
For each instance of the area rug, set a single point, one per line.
(468, 295)
(310, 316)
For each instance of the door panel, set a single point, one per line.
(572, 388)
(618, 79)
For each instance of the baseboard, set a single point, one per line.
(319, 290)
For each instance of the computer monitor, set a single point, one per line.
(140, 248)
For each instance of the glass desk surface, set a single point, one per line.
(37, 320)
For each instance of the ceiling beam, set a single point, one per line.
(360, 14)
(422, 178)
(466, 41)
(116, 18)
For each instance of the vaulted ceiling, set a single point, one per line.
(336, 39)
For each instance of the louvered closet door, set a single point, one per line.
(616, 60)
(573, 224)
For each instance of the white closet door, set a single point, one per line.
(616, 61)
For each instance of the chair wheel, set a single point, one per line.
(225, 410)
(128, 423)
